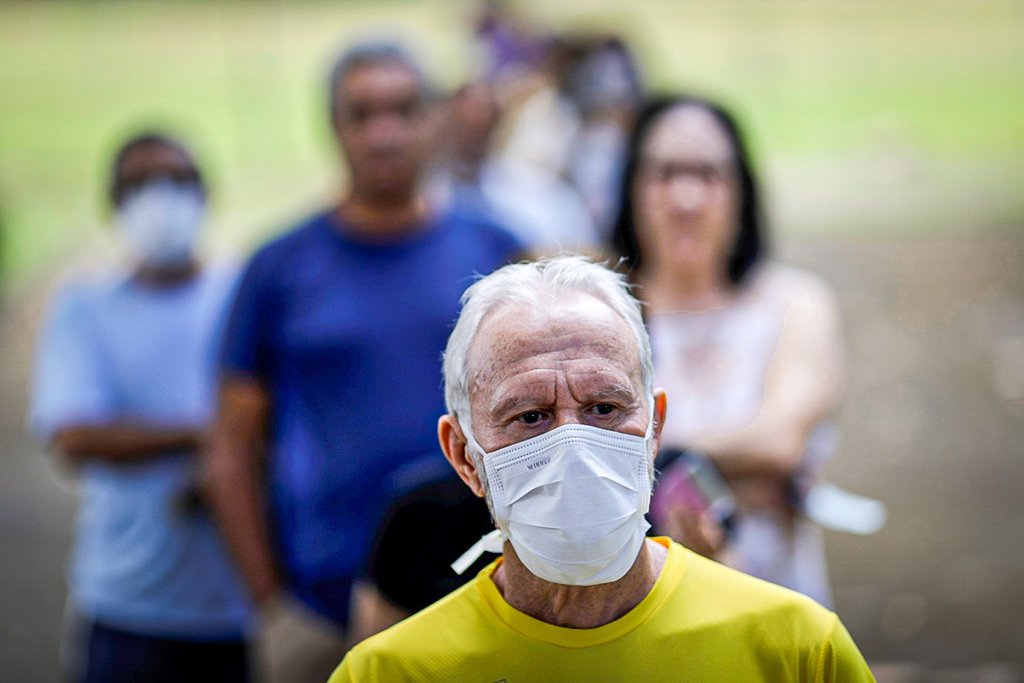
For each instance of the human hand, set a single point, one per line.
(294, 643)
(698, 530)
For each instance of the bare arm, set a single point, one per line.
(804, 384)
(234, 462)
(122, 442)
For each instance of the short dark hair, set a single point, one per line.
(751, 242)
(116, 189)
(372, 53)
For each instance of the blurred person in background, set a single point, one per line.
(124, 392)
(471, 115)
(750, 350)
(606, 87)
(331, 364)
(508, 45)
(531, 155)
(557, 122)
(475, 168)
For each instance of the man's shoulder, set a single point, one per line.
(722, 597)
(483, 227)
(84, 281)
(81, 293)
(219, 276)
(307, 234)
(448, 630)
(452, 613)
(779, 631)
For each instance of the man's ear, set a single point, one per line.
(660, 410)
(453, 444)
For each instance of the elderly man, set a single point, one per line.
(553, 418)
(331, 360)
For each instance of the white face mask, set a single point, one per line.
(572, 502)
(160, 222)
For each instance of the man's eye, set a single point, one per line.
(604, 408)
(358, 114)
(407, 110)
(530, 417)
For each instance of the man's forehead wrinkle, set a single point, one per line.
(558, 335)
(605, 380)
(523, 353)
(514, 337)
(534, 386)
(485, 346)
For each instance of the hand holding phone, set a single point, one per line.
(692, 503)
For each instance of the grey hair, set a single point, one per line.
(534, 284)
(372, 53)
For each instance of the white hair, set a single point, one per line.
(535, 284)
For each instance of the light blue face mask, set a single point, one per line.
(160, 222)
(571, 501)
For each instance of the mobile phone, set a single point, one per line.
(690, 479)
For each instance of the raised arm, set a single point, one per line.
(804, 384)
(234, 463)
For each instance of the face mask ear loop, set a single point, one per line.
(650, 422)
(467, 431)
(493, 542)
(472, 445)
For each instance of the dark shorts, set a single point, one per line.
(111, 656)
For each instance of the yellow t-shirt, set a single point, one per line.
(700, 622)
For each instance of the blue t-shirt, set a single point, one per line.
(347, 336)
(144, 560)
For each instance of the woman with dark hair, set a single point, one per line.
(748, 350)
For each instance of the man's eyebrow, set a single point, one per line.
(514, 404)
(616, 392)
(619, 393)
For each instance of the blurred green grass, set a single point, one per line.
(869, 116)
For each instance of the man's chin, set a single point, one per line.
(389, 188)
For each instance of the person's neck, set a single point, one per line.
(378, 219)
(578, 606)
(165, 277)
(691, 290)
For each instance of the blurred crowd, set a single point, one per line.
(256, 450)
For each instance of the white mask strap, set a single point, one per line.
(493, 542)
(650, 420)
(471, 443)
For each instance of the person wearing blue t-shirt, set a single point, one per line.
(331, 365)
(124, 389)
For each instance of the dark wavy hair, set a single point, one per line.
(751, 239)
